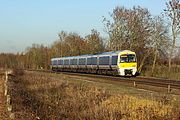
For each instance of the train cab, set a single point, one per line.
(127, 63)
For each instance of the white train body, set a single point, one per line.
(120, 62)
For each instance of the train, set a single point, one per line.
(121, 63)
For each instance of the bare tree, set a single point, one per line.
(160, 41)
(117, 29)
(173, 12)
(74, 44)
(94, 42)
(130, 29)
(62, 35)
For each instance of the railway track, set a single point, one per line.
(167, 84)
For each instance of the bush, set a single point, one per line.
(18, 72)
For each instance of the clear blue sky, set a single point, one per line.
(24, 22)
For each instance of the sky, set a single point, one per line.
(24, 22)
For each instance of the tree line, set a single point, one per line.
(151, 37)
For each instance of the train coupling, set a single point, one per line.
(128, 71)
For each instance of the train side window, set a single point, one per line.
(82, 61)
(104, 60)
(74, 62)
(114, 60)
(54, 62)
(60, 62)
(88, 61)
(71, 61)
(94, 60)
(66, 62)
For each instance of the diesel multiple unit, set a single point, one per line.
(121, 63)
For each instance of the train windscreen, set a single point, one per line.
(128, 58)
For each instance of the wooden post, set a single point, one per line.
(5, 89)
(134, 83)
(169, 88)
(9, 107)
(6, 76)
(5, 83)
(8, 97)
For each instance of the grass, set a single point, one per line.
(51, 96)
(162, 71)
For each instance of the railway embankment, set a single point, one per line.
(38, 95)
(162, 85)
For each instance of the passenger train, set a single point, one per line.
(123, 63)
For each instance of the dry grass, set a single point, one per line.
(40, 96)
(162, 71)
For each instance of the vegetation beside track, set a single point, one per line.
(3, 109)
(162, 72)
(55, 96)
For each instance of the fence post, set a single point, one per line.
(169, 88)
(134, 83)
(5, 84)
(8, 97)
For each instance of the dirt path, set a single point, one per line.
(3, 113)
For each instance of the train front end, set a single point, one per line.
(127, 63)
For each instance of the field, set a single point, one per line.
(38, 95)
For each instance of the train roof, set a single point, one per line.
(98, 54)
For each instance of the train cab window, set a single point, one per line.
(114, 60)
(131, 58)
(128, 58)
